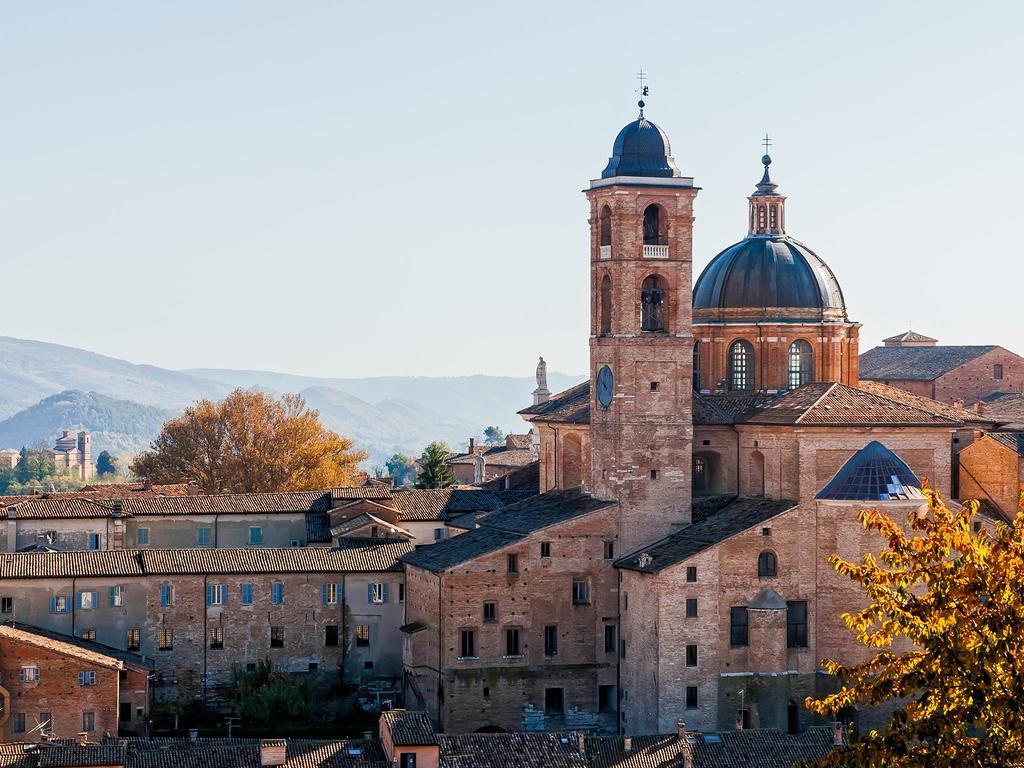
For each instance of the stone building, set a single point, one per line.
(487, 463)
(199, 612)
(992, 471)
(59, 686)
(950, 374)
(73, 454)
(723, 449)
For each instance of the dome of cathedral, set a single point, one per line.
(641, 149)
(768, 277)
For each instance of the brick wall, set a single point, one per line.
(991, 472)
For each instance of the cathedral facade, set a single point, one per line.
(674, 568)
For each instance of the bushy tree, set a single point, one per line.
(402, 469)
(434, 469)
(106, 464)
(494, 435)
(36, 471)
(957, 596)
(251, 441)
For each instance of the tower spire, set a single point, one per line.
(767, 206)
(643, 90)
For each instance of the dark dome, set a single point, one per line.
(777, 275)
(641, 149)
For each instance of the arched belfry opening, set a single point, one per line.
(606, 306)
(741, 366)
(653, 304)
(606, 226)
(655, 226)
(801, 364)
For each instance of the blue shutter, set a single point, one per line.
(385, 591)
(224, 594)
(209, 594)
(53, 605)
(369, 593)
(78, 599)
(95, 599)
(113, 592)
(323, 592)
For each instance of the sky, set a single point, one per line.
(358, 189)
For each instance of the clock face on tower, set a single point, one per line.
(604, 386)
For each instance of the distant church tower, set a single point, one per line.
(641, 341)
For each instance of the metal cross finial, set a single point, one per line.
(767, 143)
(643, 90)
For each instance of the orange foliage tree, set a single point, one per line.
(251, 441)
(958, 596)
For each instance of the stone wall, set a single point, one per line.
(991, 472)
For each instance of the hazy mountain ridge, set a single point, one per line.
(383, 414)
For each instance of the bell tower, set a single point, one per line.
(641, 340)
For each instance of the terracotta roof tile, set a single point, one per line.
(924, 403)
(917, 363)
(363, 492)
(1012, 440)
(910, 336)
(409, 729)
(49, 643)
(512, 750)
(569, 407)
(229, 503)
(824, 404)
(442, 503)
(81, 756)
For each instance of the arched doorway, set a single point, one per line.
(571, 474)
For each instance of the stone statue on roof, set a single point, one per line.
(541, 393)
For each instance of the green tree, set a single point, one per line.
(954, 598)
(402, 469)
(434, 469)
(36, 471)
(106, 464)
(494, 435)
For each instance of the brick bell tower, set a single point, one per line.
(641, 340)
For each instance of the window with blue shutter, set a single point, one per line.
(88, 600)
(216, 594)
(386, 591)
(203, 536)
(255, 535)
(330, 594)
(142, 536)
(247, 594)
(166, 595)
(277, 593)
(94, 541)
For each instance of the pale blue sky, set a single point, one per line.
(304, 186)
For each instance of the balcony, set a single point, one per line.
(655, 251)
(605, 252)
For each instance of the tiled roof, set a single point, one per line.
(19, 635)
(569, 407)
(352, 555)
(824, 404)
(499, 529)
(318, 527)
(361, 521)
(19, 756)
(409, 729)
(705, 506)
(81, 756)
(1007, 408)
(727, 407)
(362, 492)
(441, 503)
(512, 750)
(135, 490)
(127, 657)
(1012, 440)
(245, 753)
(910, 336)
(519, 441)
(924, 403)
(742, 514)
(229, 503)
(53, 508)
(917, 363)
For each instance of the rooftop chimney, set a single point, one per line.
(627, 744)
(273, 752)
(681, 728)
(83, 736)
(193, 734)
(472, 445)
(837, 734)
(581, 740)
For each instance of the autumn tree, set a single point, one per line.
(434, 469)
(945, 621)
(251, 441)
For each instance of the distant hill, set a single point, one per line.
(120, 426)
(32, 370)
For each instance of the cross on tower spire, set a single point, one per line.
(643, 90)
(767, 143)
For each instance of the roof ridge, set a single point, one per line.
(817, 401)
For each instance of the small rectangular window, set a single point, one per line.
(691, 573)
(401, 592)
(654, 474)
(142, 537)
(997, 371)
(545, 549)
(691, 607)
(46, 722)
(407, 760)
(331, 635)
(203, 536)
(580, 592)
(133, 639)
(29, 673)
(550, 640)
(467, 644)
(609, 638)
(89, 721)
(378, 593)
(6, 605)
(330, 593)
(166, 640)
(255, 535)
(117, 596)
(277, 593)
(217, 637)
(215, 594)
(654, 386)
(88, 634)
(691, 697)
(609, 550)
(247, 594)
(166, 595)
(554, 701)
(490, 611)
(766, 531)
(440, 533)
(87, 677)
(512, 642)
(513, 563)
(277, 637)
(19, 722)
(362, 635)
(87, 600)
(691, 655)
(60, 604)
(94, 541)
(739, 632)
(796, 623)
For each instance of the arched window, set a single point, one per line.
(606, 306)
(767, 565)
(801, 364)
(653, 304)
(654, 226)
(741, 366)
(700, 474)
(606, 226)
(696, 366)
